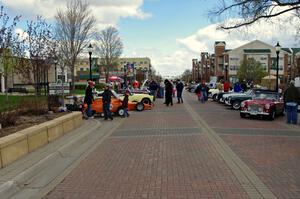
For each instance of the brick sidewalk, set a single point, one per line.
(163, 153)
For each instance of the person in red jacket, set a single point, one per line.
(226, 86)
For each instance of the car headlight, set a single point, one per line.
(267, 106)
(243, 104)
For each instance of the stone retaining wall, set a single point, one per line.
(16, 145)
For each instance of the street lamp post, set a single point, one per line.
(125, 74)
(277, 48)
(226, 71)
(90, 49)
(55, 68)
(290, 73)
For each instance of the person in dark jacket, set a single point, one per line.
(168, 92)
(153, 87)
(203, 91)
(179, 89)
(89, 98)
(106, 99)
(125, 104)
(291, 99)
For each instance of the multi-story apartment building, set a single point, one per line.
(225, 63)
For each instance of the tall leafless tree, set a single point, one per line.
(251, 11)
(6, 44)
(37, 41)
(74, 27)
(110, 48)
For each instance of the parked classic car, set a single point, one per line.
(133, 97)
(265, 104)
(116, 105)
(191, 88)
(213, 93)
(234, 100)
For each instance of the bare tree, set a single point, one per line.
(251, 11)
(187, 75)
(74, 27)
(62, 63)
(6, 44)
(37, 41)
(110, 48)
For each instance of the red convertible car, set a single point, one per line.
(265, 104)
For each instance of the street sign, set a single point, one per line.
(57, 88)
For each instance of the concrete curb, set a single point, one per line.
(19, 182)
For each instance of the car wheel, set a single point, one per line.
(121, 111)
(236, 105)
(140, 106)
(214, 97)
(272, 115)
(146, 101)
(243, 115)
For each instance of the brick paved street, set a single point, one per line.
(182, 152)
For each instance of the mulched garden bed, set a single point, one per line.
(28, 121)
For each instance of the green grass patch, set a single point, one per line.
(14, 102)
(79, 92)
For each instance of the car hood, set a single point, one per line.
(233, 94)
(260, 101)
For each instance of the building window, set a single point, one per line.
(234, 59)
(264, 66)
(233, 67)
(263, 58)
(81, 69)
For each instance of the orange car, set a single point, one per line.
(116, 105)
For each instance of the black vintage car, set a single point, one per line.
(219, 96)
(235, 100)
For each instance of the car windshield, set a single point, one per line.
(269, 96)
(116, 95)
(248, 92)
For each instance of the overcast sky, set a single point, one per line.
(171, 33)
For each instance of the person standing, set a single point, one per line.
(89, 98)
(237, 87)
(153, 87)
(106, 99)
(291, 99)
(125, 104)
(168, 92)
(226, 86)
(203, 91)
(179, 89)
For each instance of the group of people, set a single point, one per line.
(106, 100)
(202, 92)
(167, 90)
(291, 97)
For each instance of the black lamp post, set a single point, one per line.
(226, 71)
(125, 74)
(55, 68)
(90, 49)
(277, 48)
